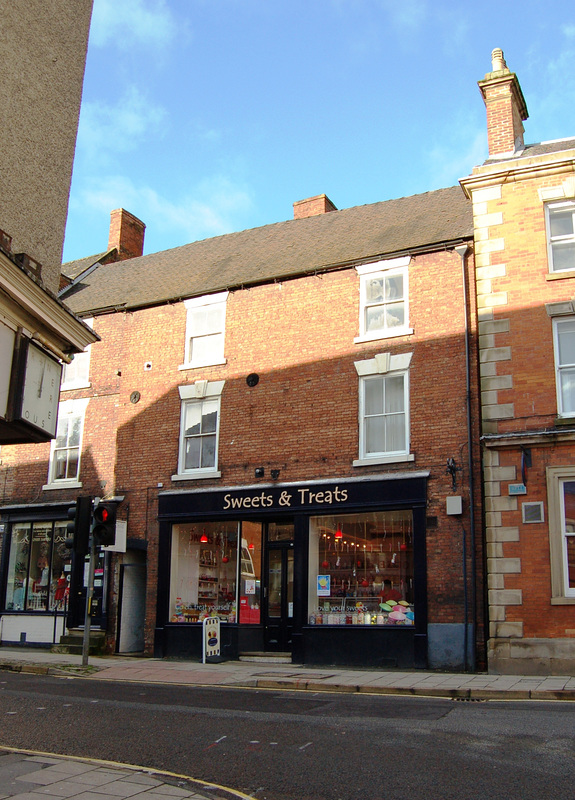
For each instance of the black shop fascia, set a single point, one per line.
(329, 572)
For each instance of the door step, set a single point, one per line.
(266, 658)
(73, 643)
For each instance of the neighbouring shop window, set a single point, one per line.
(561, 503)
(568, 508)
(361, 569)
(250, 573)
(38, 567)
(203, 577)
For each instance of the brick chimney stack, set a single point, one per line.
(313, 206)
(506, 108)
(126, 234)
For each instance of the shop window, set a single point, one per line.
(205, 330)
(203, 575)
(561, 236)
(564, 340)
(561, 497)
(66, 448)
(76, 374)
(250, 573)
(384, 299)
(361, 569)
(199, 430)
(38, 567)
(383, 409)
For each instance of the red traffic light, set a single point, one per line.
(101, 514)
(104, 529)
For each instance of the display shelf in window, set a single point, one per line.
(362, 611)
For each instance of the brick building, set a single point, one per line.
(524, 210)
(285, 418)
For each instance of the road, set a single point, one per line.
(280, 745)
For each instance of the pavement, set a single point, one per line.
(32, 776)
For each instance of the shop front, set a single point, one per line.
(42, 586)
(332, 572)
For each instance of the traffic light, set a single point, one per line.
(104, 530)
(78, 527)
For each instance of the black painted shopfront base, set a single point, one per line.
(359, 646)
(353, 646)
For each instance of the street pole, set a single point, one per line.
(89, 595)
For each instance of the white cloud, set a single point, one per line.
(406, 16)
(126, 22)
(106, 129)
(216, 206)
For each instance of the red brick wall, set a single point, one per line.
(302, 417)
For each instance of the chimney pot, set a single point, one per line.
(497, 60)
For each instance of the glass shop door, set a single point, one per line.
(278, 587)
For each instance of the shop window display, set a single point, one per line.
(250, 573)
(38, 567)
(361, 569)
(204, 571)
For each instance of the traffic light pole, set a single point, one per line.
(89, 595)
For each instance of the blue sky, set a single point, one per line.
(203, 117)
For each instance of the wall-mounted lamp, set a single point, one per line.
(260, 472)
(452, 469)
(275, 474)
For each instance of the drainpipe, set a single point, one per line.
(462, 251)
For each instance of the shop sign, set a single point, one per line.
(298, 497)
(331, 497)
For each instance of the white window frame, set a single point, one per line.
(550, 208)
(67, 409)
(76, 375)
(384, 365)
(190, 393)
(561, 594)
(192, 305)
(376, 271)
(559, 367)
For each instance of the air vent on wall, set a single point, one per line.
(532, 512)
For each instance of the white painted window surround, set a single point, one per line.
(205, 330)
(66, 448)
(384, 425)
(76, 374)
(384, 299)
(199, 430)
(561, 506)
(560, 221)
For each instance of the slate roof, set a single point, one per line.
(278, 251)
(71, 269)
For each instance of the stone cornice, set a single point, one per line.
(518, 169)
(29, 305)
